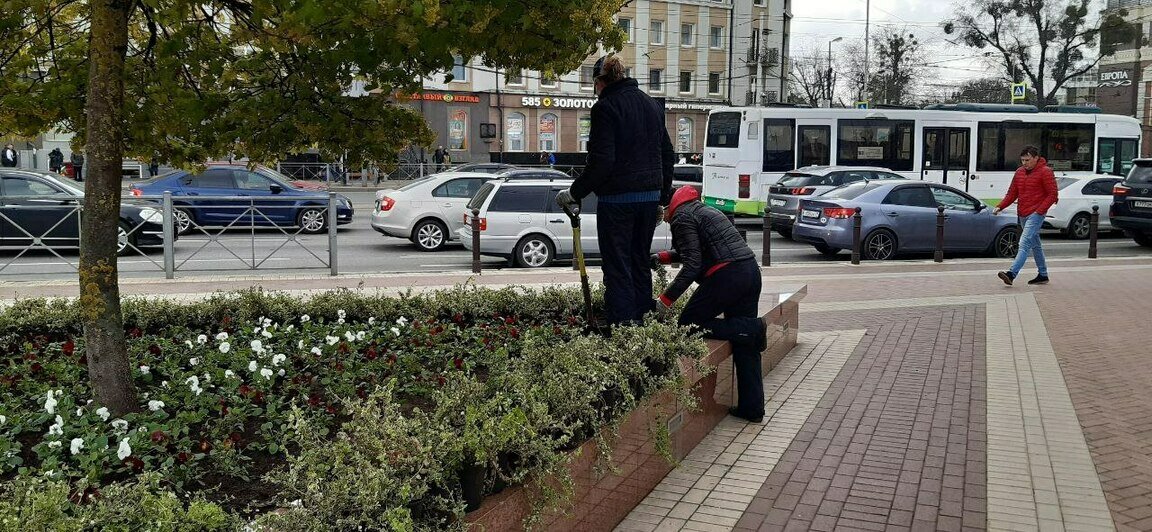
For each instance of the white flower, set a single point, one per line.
(80, 412)
(3, 420)
(225, 347)
(341, 314)
(125, 450)
(145, 370)
(54, 444)
(164, 384)
(152, 405)
(350, 336)
(77, 444)
(103, 413)
(228, 373)
(257, 346)
(193, 383)
(281, 373)
(316, 351)
(266, 333)
(401, 321)
(188, 343)
(278, 359)
(371, 320)
(253, 366)
(256, 330)
(194, 361)
(202, 339)
(395, 331)
(266, 373)
(57, 429)
(50, 403)
(122, 426)
(222, 336)
(360, 335)
(332, 339)
(290, 328)
(266, 322)
(305, 318)
(300, 344)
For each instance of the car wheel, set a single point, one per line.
(125, 241)
(786, 233)
(826, 250)
(182, 221)
(1007, 243)
(1144, 239)
(534, 251)
(1079, 227)
(312, 220)
(879, 245)
(429, 235)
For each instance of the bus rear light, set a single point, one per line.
(745, 186)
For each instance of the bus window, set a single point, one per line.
(723, 130)
(1069, 146)
(1065, 146)
(815, 142)
(886, 143)
(1114, 156)
(779, 135)
(988, 147)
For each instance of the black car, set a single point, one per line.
(1132, 203)
(38, 206)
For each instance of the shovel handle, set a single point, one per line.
(572, 210)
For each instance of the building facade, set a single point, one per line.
(694, 55)
(1124, 79)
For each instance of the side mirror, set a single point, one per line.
(276, 189)
(981, 206)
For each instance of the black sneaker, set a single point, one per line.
(1007, 277)
(735, 412)
(1040, 279)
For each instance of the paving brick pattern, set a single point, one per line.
(898, 440)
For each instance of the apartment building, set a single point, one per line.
(694, 55)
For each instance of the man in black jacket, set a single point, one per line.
(713, 255)
(630, 160)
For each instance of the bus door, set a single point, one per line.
(947, 156)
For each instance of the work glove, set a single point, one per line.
(565, 198)
(654, 261)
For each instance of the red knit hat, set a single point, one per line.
(682, 195)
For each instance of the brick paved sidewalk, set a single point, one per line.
(940, 400)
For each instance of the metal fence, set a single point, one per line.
(251, 230)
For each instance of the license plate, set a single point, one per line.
(809, 213)
(778, 203)
(1142, 204)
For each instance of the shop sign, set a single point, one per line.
(557, 103)
(445, 97)
(1115, 78)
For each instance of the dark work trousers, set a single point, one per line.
(625, 233)
(734, 291)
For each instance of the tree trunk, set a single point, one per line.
(108, 367)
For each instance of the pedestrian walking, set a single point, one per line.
(551, 160)
(1034, 191)
(714, 256)
(154, 166)
(78, 165)
(439, 157)
(55, 160)
(629, 168)
(9, 158)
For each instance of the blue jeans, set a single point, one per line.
(1030, 245)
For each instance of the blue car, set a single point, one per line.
(900, 217)
(254, 190)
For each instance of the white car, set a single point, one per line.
(1072, 213)
(429, 211)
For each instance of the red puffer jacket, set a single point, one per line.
(1034, 190)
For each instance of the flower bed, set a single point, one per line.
(339, 411)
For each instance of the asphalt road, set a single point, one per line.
(362, 250)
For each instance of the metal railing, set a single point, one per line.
(272, 224)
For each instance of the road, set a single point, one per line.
(362, 250)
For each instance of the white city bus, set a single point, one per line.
(973, 147)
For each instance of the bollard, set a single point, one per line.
(169, 236)
(766, 256)
(1093, 231)
(856, 237)
(333, 263)
(939, 257)
(475, 240)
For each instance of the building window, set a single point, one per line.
(548, 129)
(713, 83)
(625, 25)
(459, 69)
(716, 37)
(685, 81)
(684, 130)
(687, 34)
(514, 77)
(514, 131)
(656, 33)
(655, 83)
(549, 81)
(586, 79)
(584, 129)
(458, 129)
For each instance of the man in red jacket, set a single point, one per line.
(1034, 190)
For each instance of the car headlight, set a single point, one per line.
(151, 215)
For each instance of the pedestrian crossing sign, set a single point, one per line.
(861, 105)
(1018, 91)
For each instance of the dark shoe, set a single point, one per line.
(1007, 277)
(1040, 279)
(735, 412)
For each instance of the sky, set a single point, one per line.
(815, 23)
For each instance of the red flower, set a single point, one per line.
(135, 332)
(362, 393)
(84, 497)
(370, 354)
(313, 400)
(226, 320)
(391, 359)
(572, 320)
(29, 356)
(343, 347)
(183, 457)
(154, 349)
(459, 362)
(69, 347)
(134, 463)
(510, 320)
(440, 380)
(339, 367)
(557, 330)
(205, 446)
(158, 437)
(514, 332)
(258, 397)
(331, 409)
(37, 368)
(458, 318)
(244, 390)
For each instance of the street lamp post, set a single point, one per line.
(830, 87)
